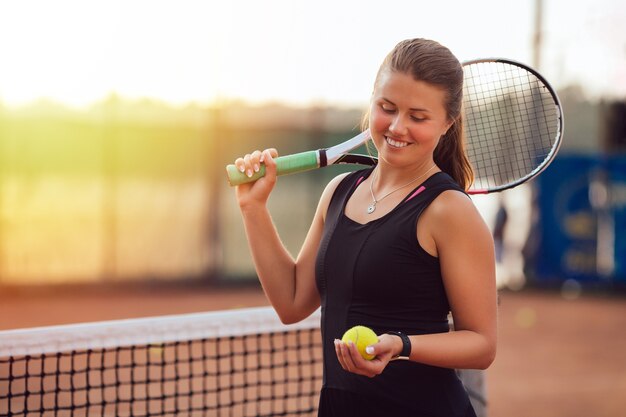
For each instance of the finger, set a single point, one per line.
(358, 360)
(339, 353)
(272, 152)
(255, 159)
(359, 365)
(343, 355)
(349, 351)
(386, 346)
(240, 164)
(270, 164)
(249, 161)
(247, 165)
(377, 349)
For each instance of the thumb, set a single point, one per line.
(384, 346)
(374, 348)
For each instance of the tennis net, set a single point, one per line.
(230, 363)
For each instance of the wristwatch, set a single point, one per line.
(406, 343)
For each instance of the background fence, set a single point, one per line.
(137, 191)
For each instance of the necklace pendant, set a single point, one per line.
(371, 208)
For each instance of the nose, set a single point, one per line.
(397, 126)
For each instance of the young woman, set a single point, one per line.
(395, 248)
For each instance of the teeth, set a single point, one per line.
(395, 143)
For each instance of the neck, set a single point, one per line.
(388, 178)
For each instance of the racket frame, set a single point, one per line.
(559, 132)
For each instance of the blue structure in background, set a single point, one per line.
(617, 179)
(566, 235)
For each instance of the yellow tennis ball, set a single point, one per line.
(362, 337)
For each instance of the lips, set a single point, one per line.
(395, 143)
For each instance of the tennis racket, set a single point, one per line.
(513, 124)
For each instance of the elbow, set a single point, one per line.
(486, 363)
(487, 358)
(287, 317)
(293, 316)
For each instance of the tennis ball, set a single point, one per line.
(362, 337)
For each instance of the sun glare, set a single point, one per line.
(78, 52)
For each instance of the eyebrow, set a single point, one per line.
(412, 109)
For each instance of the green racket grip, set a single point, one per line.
(288, 164)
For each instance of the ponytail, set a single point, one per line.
(451, 158)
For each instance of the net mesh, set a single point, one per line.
(512, 123)
(243, 363)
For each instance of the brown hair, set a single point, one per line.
(433, 63)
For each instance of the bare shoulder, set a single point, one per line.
(452, 203)
(328, 192)
(453, 213)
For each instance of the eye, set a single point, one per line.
(419, 116)
(387, 108)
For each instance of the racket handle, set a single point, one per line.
(288, 164)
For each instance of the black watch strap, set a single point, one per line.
(406, 343)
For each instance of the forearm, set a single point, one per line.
(274, 265)
(462, 349)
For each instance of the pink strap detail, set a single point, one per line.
(419, 190)
(359, 181)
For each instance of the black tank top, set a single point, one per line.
(377, 274)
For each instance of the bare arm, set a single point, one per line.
(465, 249)
(452, 229)
(288, 284)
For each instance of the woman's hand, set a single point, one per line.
(387, 348)
(256, 192)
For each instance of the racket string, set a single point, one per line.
(510, 122)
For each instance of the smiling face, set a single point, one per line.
(407, 119)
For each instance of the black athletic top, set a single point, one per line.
(377, 274)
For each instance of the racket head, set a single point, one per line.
(513, 123)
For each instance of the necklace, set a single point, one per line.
(372, 207)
